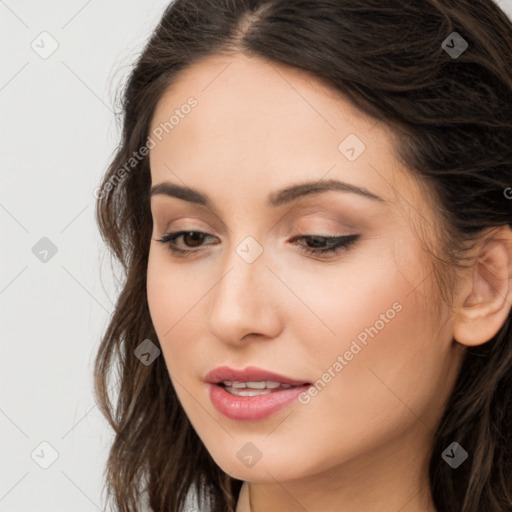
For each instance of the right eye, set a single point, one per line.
(193, 237)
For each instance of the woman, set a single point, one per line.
(311, 202)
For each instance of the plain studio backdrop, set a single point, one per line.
(62, 63)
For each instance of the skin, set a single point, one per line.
(362, 443)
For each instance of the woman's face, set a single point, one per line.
(359, 325)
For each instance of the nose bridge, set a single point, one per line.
(244, 272)
(242, 299)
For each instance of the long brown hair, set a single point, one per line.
(451, 118)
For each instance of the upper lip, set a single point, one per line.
(249, 374)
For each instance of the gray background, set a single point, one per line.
(57, 133)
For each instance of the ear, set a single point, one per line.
(485, 299)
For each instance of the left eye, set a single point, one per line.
(327, 244)
(316, 244)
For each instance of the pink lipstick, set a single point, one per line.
(252, 393)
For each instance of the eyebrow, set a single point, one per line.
(281, 197)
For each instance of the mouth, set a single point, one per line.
(252, 393)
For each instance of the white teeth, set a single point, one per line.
(252, 388)
(255, 384)
(248, 392)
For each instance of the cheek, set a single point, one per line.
(378, 372)
(171, 291)
(167, 299)
(176, 302)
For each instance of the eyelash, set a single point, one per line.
(337, 243)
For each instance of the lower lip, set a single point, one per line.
(251, 408)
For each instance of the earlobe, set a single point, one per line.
(487, 298)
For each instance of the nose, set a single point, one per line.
(244, 302)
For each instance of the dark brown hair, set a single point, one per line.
(451, 119)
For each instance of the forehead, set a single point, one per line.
(258, 126)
